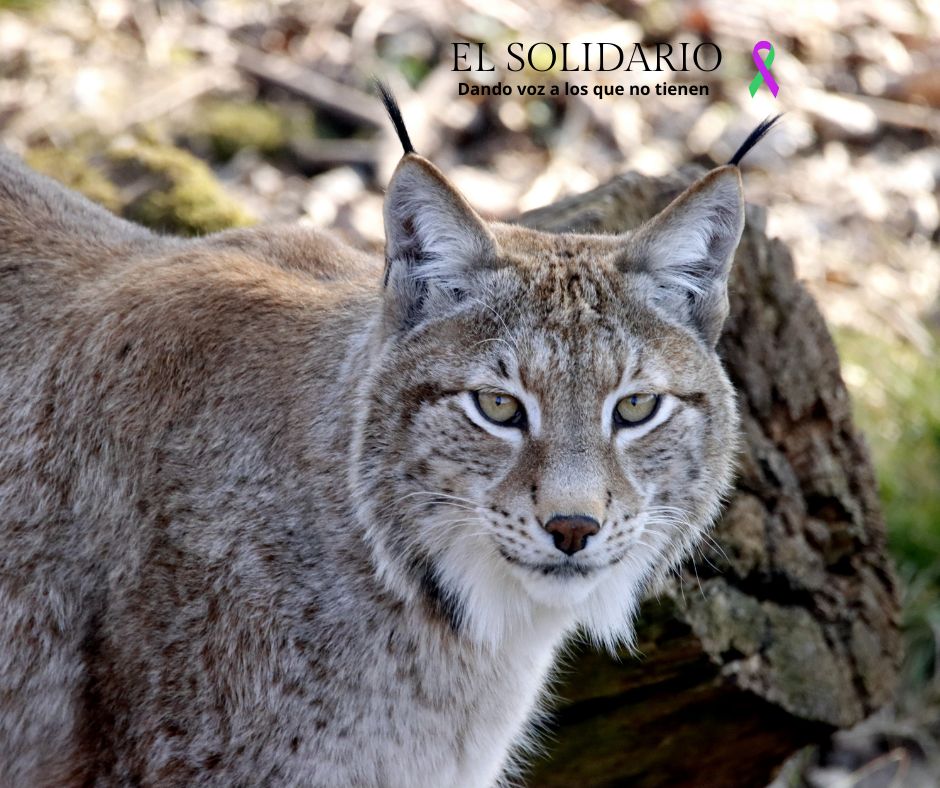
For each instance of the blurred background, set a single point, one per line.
(192, 117)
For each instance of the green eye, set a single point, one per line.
(634, 409)
(500, 408)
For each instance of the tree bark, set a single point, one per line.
(790, 629)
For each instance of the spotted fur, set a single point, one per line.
(253, 529)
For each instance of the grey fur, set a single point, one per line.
(252, 530)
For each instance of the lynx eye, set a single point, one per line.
(500, 408)
(635, 409)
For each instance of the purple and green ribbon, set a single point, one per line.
(763, 74)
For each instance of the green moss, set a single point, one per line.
(231, 126)
(73, 169)
(185, 198)
(22, 5)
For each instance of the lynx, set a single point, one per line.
(275, 512)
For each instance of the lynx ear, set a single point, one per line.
(433, 239)
(688, 247)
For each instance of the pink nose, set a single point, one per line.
(571, 532)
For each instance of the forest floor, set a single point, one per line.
(195, 117)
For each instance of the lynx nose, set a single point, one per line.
(571, 532)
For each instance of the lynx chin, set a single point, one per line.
(272, 514)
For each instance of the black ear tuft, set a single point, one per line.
(753, 138)
(394, 112)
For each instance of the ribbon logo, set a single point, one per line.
(763, 74)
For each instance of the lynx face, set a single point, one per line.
(547, 425)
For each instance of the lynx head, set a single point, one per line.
(546, 425)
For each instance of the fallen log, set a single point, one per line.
(784, 629)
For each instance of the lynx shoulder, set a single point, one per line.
(273, 511)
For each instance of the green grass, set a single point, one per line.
(896, 396)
